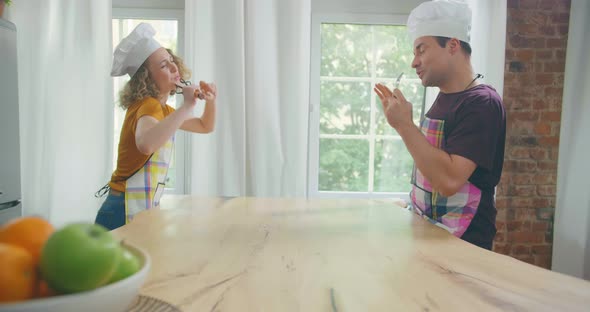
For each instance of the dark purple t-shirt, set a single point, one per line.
(475, 128)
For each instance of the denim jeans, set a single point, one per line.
(112, 212)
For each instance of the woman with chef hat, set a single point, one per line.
(458, 149)
(147, 135)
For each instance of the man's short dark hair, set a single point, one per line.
(442, 42)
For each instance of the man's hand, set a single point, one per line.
(397, 110)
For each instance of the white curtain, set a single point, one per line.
(64, 54)
(488, 40)
(571, 236)
(258, 54)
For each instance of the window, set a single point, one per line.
(353, 150)
(168, 26)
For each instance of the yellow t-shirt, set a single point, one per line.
(130, 159)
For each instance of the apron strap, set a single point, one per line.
(103, 191)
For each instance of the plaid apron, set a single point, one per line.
(144, 189)
(452, 213)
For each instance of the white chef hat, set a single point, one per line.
(133, 50)
(445, 18)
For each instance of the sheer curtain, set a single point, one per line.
(258, 54)
(64, 53)
(488, 40)
(571, 236)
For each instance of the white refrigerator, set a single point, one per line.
(10, 188)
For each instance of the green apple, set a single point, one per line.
(79, 257)
(128, 265)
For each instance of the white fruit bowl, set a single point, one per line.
(115, 297)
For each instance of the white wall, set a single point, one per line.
(571, 236)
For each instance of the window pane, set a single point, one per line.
(345, 107)
(353, 59)
(346, 50)
(394, 52)
(344, 165)
(393, 166)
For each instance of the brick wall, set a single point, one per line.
(536, 41)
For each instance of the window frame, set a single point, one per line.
(182, 145)
(317, 20)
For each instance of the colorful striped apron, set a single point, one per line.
(144, 189)
(452, 213)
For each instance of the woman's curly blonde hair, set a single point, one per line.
(142, 85)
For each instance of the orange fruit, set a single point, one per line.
(30, 233)
(17, 273)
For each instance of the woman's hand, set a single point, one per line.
(205, 123)
(190, 94)
(208, 91)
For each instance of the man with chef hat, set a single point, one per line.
(458, 150)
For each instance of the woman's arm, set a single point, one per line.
(151, 134)
(206, 123)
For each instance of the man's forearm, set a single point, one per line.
(433, 162)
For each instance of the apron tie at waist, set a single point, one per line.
(103, 191)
